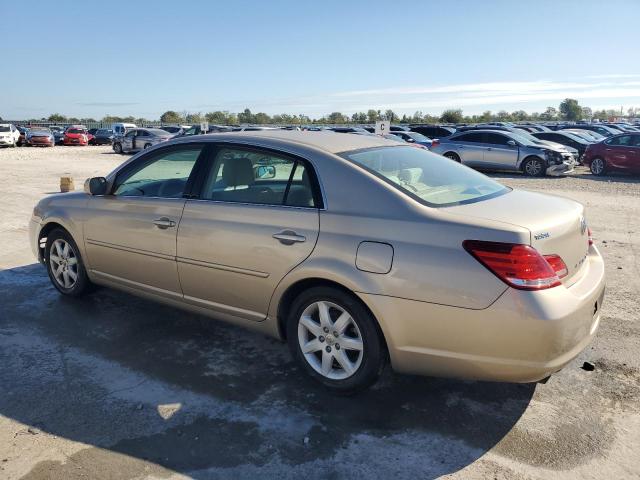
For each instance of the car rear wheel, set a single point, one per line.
(64, 264)
(335, 339)
(598, 166)
(453, 156)
(534, 167)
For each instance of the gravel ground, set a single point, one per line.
(112, 386)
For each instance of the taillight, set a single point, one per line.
(519, 266)
(435, 142)
(557, 264)
(590, 236)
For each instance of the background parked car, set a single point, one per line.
(503, 150)
(413, 137)
(139, 139)
(23, 134)
(58, 134)
(103, 136)
(522, 133)
(119, 129)
(616, 153)
(601, 129)
(588, 135)
(566, 138)
(9, 135)
(175, 129)
(433, 131)
(76, 135)
(40, 137)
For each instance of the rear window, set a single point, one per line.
(431, 179)
(4, 129)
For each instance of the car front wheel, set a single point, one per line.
(598, 167)
(64, 264)
(534, 167)
(335, 339)
(117, 147)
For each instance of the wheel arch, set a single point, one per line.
(296, 288)
(532, 156)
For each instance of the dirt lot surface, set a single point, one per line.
(114, 387)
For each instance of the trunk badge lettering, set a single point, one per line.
(540, 236)
(583, 225)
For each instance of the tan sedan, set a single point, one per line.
(354, 249)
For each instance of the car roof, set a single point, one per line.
(328, 141)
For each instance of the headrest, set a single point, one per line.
(237, 172)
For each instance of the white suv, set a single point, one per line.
(9, 135)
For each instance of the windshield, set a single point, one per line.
(431, 179)
(75, 130)
(4, 128)
(40, 130)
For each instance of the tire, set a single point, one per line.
(63, 261)
(598, 166)
(146, 145)
(340, 368)
(453, 156)
(534, 167)
(117, 147)
(13, 145)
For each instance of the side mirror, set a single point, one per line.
(512, 143)
(95, 186)
(265, 172)
(410, 140)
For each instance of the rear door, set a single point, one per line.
(130, 234)
(470, 148)
(256, 218)
(128, 140)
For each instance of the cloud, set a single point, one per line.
(107, 104)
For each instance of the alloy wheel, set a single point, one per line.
(533, 168)
(597, 166)
(330, 340)
(63, 263)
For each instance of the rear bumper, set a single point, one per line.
(522, 337)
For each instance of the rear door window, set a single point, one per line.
(241, 175)
(470, 137)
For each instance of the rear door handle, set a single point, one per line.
(288, 237)
(163, 223)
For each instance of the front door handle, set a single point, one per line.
(163, 223)
(288, 237)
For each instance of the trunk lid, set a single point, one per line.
(557, 224)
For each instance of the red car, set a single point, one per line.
(616, 153)
(76, 135)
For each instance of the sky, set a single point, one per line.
(141, 58)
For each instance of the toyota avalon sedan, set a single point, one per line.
(354, 249)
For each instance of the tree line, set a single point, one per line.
(569, 110)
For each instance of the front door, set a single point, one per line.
(256, 218)
(498, 154)
(130, 234)
(128, 141)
